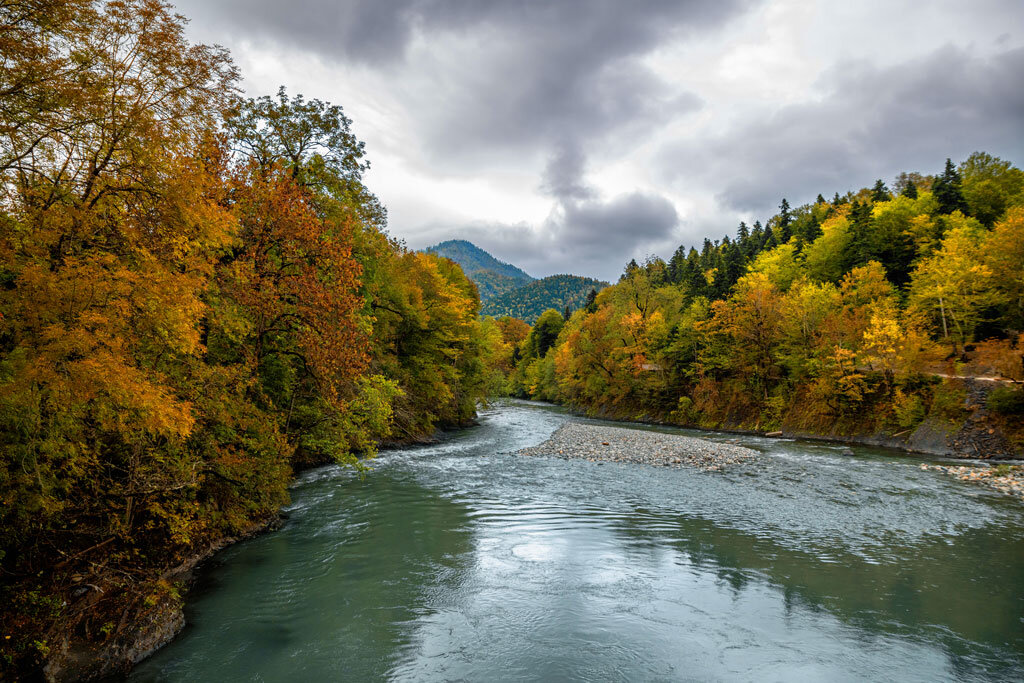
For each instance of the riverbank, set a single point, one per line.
(1007, 479)
(148, 625)
(144, 627)
(961, 427)
(598, 443)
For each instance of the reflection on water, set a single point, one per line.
(460, 561)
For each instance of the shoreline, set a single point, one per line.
(931, 441)
(77, 659)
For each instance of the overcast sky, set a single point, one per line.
(573, 135)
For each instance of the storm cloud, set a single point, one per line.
(873, 122)
(573, 135)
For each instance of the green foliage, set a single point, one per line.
(1007, 401)
(908, 409)
(948, 402)
(556, 291)
(827, 318)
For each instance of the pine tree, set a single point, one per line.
(730, 268)
(676, 264)
(910, 190)
(947, 190)
(820, 199)
(785, 218)
(880, 193)
(859, 250)
(756, 240)
(591, 304)
(695, 274)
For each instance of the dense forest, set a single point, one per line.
(198, 296)
(561, 292)
(842, 316)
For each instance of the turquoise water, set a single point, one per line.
(459, 561)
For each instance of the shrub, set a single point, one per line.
(1007, 401)
(948, 402)
(909, 409)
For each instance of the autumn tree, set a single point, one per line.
(113, 216)
(955, 285)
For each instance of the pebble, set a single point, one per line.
(596, 443)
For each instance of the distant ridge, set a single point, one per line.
(472, 259)
(508, 290)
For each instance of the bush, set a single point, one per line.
(1007, 401)
(909, 409)
(685, 413)
(948, 402)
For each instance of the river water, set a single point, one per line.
(460, 561)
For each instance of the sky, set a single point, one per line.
(569, 136)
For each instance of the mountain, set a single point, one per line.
(508, 290)
(532, 299)
(491, 276)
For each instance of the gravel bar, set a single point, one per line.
(1008, 479)
(578, 440)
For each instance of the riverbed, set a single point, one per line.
(464, 561)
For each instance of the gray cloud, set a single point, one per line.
(873, 122)
(592, 237)
(495, 75)
(563, 175)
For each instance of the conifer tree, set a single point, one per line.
(880, 193)
(948, 191)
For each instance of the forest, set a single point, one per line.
(528, 302)
(199, 297)
(838, 317)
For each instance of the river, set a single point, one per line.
(460, 561)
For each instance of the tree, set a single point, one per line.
(113, 216)
(784, 219)
(544, 333)
(880, 193)
(956, 286)
(1003, 254)
(947, 190)
(990, 185)
(752, 320)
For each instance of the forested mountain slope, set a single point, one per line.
(555, 291)
(491, 276)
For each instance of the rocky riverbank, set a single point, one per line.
(1008, 479)
(598, 443)
(144, 627)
